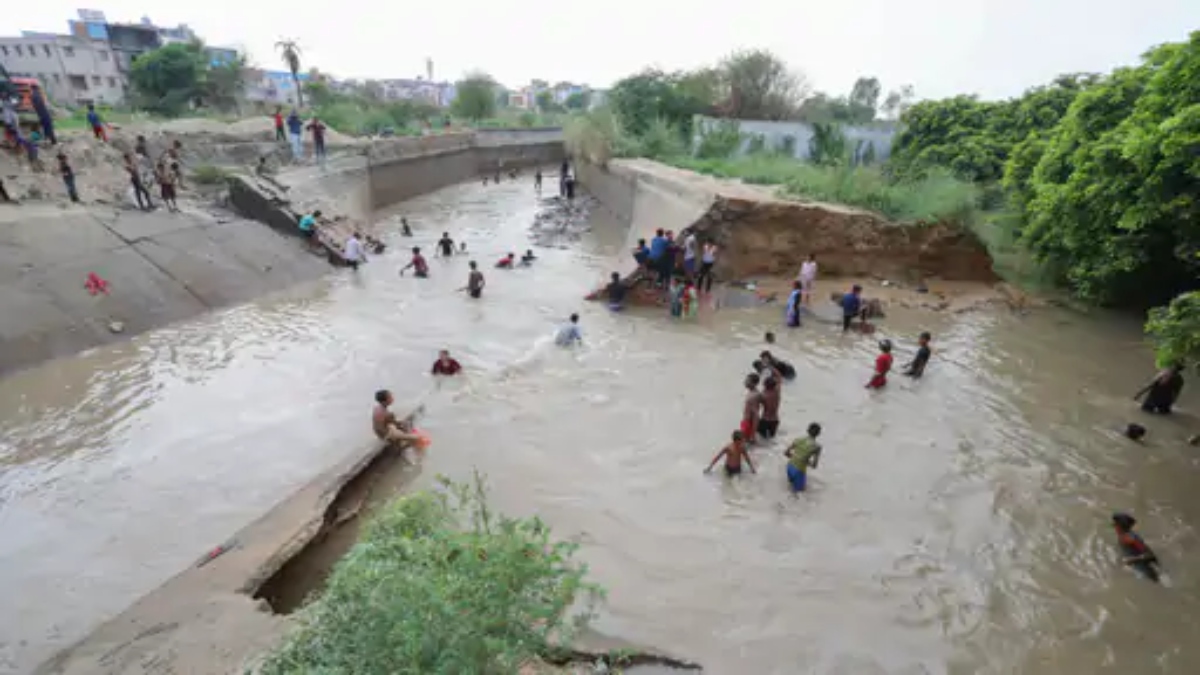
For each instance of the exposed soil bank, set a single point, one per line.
(763, 235)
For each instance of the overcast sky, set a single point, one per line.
(994, 48)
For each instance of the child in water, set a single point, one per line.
(734, 454)
(1136, 553)
(803, 454)
(916, 368)
(883, 365)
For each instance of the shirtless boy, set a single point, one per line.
(750, 408)
(385, 424)
(768, 424)
(733, 453)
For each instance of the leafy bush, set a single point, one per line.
(937, 197)
(719, 140)
(661, 141)
(440, 584)
(207, 174)
(1175, 330)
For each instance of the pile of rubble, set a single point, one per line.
(560, 222)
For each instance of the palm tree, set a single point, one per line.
(290, 51)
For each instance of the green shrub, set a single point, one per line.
(719, 140)
(440, 584)
(207, 174)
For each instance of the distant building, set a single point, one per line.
(72, 70)
(272, 87)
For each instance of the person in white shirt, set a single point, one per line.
(808, 275)
(689, 255)
(353, 251)
(569, 334)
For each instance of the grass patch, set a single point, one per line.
(441, 584)
(937, 197)
(207, 174)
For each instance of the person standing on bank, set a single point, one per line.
(135, 179)
(318, 135)
(44, 116)
(295, 130)
(68, 176)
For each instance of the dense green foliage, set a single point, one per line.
(440, 584)
(476, 97)
(172, 79)
(1101, 175)
(975, 138)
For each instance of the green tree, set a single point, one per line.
(864, 99)
(225, 84)
(579, 100)
(289, 51)
(1175, 330)
(545, 101)
(761, 86)
(1115, 192)
(476, 97)
(828, 144)
(169, 79)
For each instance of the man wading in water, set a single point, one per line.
(1163, 391)
(750, 408)
(475, 281)
(446, 245)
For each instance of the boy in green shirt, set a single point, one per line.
(804, 453)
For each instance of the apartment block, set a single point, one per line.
(72, 70)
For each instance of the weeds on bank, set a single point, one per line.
(208, 174)
(441, 584)
(937, 197)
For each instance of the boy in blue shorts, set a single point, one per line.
(803, 454)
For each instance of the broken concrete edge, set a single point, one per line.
(208, 609)
(618, 658)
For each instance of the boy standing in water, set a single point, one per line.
(475, 281)
(916, 368)
(750, 408)
(418, 264)
(770, 397)
(803, 454)
(733, 453)
(883, 365)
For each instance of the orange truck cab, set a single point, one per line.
(20, 91)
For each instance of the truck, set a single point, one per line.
(19, 90)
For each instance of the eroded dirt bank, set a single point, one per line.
(763, 235)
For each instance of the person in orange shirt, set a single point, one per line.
(883, 365)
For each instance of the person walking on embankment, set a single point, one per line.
(278, 118)
(43, 113)
(318, 136)
(68, 176)
(295, 131)
(140, 193)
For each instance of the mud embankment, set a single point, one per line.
(762, 235)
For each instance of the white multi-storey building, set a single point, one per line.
(72, 70)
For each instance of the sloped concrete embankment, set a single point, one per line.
(160, 267)
(762, 235)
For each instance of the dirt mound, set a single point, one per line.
(773, 238)
(99, 167)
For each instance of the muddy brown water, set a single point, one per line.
(955, 525)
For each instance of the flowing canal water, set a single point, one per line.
(955, 525)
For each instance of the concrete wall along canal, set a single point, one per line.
(163, 267)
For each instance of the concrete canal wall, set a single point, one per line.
(166, 267)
